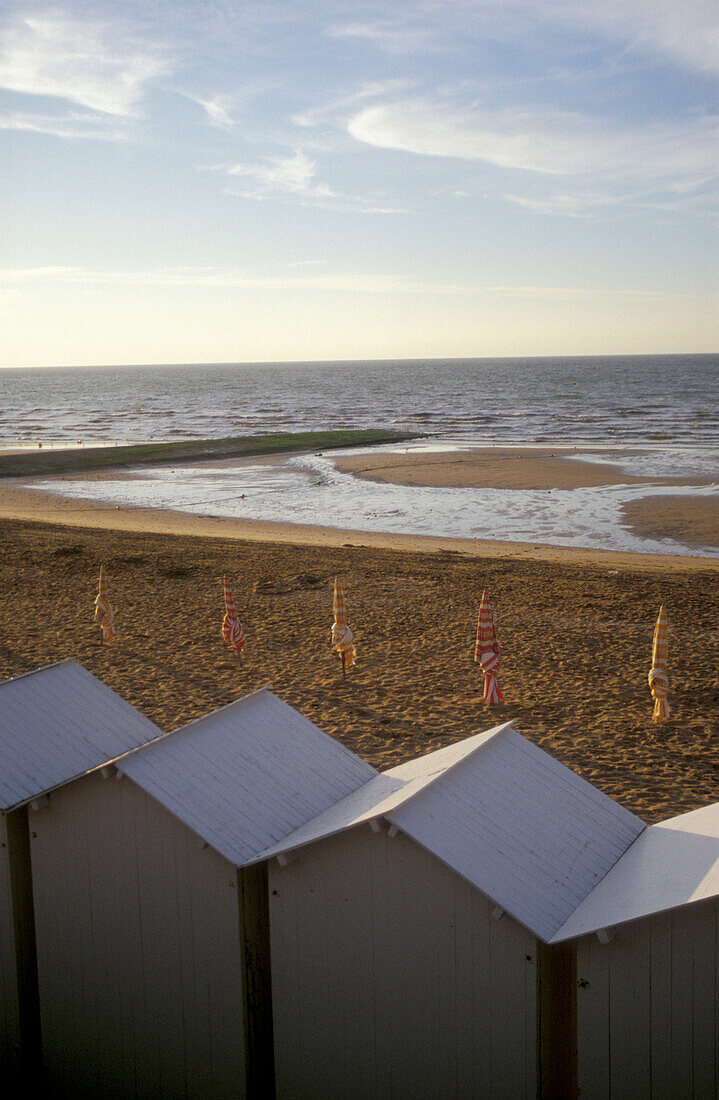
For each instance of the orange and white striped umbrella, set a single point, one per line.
(342, 639)
(232, 630)
(658, 679)
(103, 610)
(486, 652)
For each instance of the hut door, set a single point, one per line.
(257, 976)
(23, 918)
(557, 1022)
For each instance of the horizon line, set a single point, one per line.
(360, 360)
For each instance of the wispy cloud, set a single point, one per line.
(225, 110)
(70, 124)
(296, 276)
(219, 110)
(394, 36)
(702, 198)
(304, 276)
(295, 177)
(550, 142)
(577, 204)
(339, 106)
(687, 33)
(92, 64)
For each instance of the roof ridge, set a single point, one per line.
(492, 734)
(225, 706)
(265, 689)
(52, 664)
(687, 813)
(486, 735)
(556, 937)
(165, 734)
(82, 765)
(483, 738)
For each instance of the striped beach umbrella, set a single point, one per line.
(486, 652)
(658, 679)
(232, 630)
(341, 634)
(103, 610)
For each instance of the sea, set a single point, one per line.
(655, 416)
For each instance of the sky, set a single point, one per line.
(313, 179)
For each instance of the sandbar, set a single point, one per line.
(497, 468)
(690, 519)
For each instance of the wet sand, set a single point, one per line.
(691, 520)
(575, 630)
(498, 468)
(20, 500)
(694, 520)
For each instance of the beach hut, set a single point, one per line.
(56, 724)
(647, 943)
(410, 926)
(244, 905)
(152, 943)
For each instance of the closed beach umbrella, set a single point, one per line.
(486, 652)
(341, 634)
(103, 611)
(232, 630)
(658, 680)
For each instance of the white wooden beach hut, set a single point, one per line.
(152, 947)
(409, 925)
(56, 724)
(648, 966)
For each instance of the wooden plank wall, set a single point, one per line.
(392, 979)
(139, 949)
(647, 1008)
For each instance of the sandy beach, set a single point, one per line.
(575, 630)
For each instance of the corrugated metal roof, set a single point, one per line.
(525, 830)
(58, 723)
(671, 864)
(248, 774)
(380, 795)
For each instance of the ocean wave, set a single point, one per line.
(587, 400)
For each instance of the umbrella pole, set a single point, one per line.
(344, 670)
